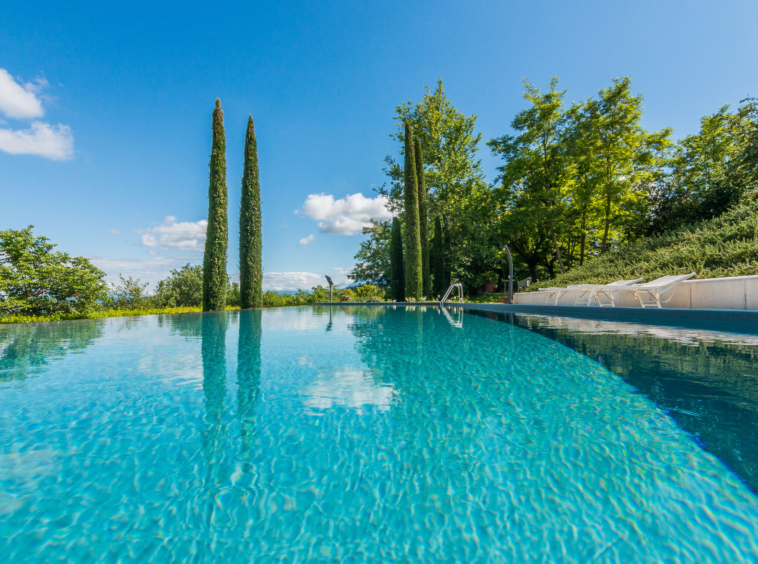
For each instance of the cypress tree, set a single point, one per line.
(413, 266)
(439, 260)
(425, 267)
(251, 244)
(215, 280)
(397, 268)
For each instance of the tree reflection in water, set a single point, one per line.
(213, 349)
(437, 412)
(25, 349)
(706, 381)
(248, 374)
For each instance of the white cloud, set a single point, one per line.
(52, 141)
(346, 216)
(348, 387)
(306, 240)
(115, 231)
(288, 281)
(184, 236)
(147, 270)
(17, 101)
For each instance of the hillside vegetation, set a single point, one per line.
(721, 247)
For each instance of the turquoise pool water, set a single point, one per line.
(362, 435)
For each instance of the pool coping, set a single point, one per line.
(584, 312)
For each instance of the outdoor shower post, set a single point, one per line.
(329, 280)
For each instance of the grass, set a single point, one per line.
(101, 314)
(722, 247)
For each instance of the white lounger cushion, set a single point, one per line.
(653, 289)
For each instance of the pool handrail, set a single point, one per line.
(450, 290)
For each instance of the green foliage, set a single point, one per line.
(455, 187)
(630, 157)
(534, 174)
(412, 257)
(709, 171)
(251, 266)
(721, 247)
(217, 235)
(373, 258)
(426, 284)
(234, 296)
(574, 182)
(37, 280)
(489, 277)
(129, 293)
(102, 314)
(368, 293)
(182, 288)
(397, 267)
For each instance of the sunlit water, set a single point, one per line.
(362, 435)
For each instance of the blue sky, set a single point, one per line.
(105, 109)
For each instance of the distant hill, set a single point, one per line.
(721, 247)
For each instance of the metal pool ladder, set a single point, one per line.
(450, 291)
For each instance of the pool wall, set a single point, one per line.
(735, 293)
(722, 319)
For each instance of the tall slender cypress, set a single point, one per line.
(215, 280)
(413, 266)
(426, 285)
(439, 260)
(251, 244)
(397, 268)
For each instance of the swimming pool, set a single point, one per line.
(372, 434)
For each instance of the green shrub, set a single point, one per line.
(36, 280)
(721, 247)
(183, 288)
(369, 293)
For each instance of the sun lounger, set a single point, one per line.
(582, 290)
(595, 291)
(652, 290)
(557, 293)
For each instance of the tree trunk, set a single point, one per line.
(532, 270)
(604, 246)
(445, 261)
(584, 235)
(557, 249)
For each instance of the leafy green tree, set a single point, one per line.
(438, 261)
(368, 293)
(422, 214)
(182, 288)
(129, 293)
(37, 280)
(251, 266)
(412, 258)
(707, 171)
(630, 158)
(217, 236)
(397, 267)
(455, 185)
(373, 258)
(583, 175)
(535, 160)
(234, 296)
